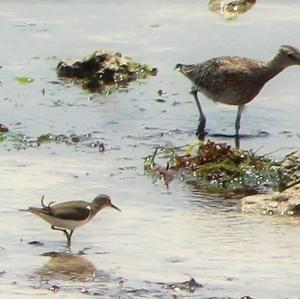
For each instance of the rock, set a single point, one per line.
(289, 171)
(230, 9)
(282, 203)
(3, 128)
(189, 286)
(104, 71)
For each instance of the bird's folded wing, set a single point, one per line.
(70, 213)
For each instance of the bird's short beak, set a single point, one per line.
(116, 208)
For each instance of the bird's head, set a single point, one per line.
(289, 55)
(103, 201)
(178, 66)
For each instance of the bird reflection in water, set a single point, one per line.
(67, 266)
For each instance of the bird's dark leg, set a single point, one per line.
(68, 235)
(194, 92)
(202, 120)
(237, 126)
(200, 133)
(238, 120)
(60, 229)
(237, 142)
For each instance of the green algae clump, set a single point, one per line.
(217, 167)
(20, 141)
(24, 80)
(104, 71)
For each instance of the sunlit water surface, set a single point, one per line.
(164, 235)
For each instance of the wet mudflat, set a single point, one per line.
(164, 236)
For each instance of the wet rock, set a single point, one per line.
(52, 254)
(54, 289)
(101, 147)
(230, 9)
(188, 286)
(36, 243)
(104, 71)
(160, 100)
(86, 291)
(161, 92)
(287, 200)
(289, 171)
(139, 293)
(3, 128)
(282, 203)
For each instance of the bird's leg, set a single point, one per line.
(68, 235)
(56, 228)
(200, 133)
(202, 120)
(238, 120)
(194, 92)
(237, 142)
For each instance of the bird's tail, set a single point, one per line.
(32, 210)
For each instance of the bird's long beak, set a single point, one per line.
(178, 66)
(116, 208)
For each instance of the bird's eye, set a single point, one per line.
(289, 55)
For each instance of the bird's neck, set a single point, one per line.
(93, 212)
(274, 67)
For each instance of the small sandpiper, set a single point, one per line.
(235, 80)
(71, 214)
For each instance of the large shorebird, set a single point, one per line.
(235, 80)
(71, 214)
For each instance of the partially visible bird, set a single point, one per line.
(235, 80)
(71, 214)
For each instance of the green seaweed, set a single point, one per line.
(21, 141)
(217, 167)
(24, 80)
(2, 137)
(45, 138)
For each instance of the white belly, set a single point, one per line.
(62, 223)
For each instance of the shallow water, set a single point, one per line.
(164, 235)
